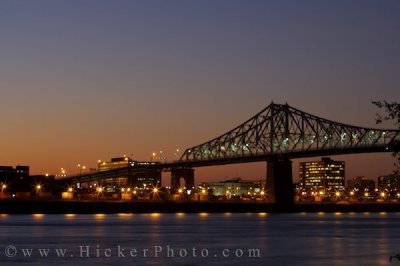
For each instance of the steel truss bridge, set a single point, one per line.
(276, 135)
(281, 130)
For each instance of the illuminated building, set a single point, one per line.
(15, 179)
(361, 184)
(389, 183)
(138, 176)
(234, 188)
(324, 174)
(115, 163)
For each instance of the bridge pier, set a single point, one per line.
(279, 183)
(187, 174)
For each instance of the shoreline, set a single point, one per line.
(109, 207)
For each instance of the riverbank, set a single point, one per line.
(61, 207)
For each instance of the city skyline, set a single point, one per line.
(96, 80)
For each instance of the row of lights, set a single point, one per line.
(83, 167)
(4, 187)
(338, 194)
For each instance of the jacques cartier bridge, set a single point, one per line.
(275, 135)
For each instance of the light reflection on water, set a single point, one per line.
(283, 239)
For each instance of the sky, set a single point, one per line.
(87, 80)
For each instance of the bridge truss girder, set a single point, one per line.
(281, 130)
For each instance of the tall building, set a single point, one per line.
(325, 174)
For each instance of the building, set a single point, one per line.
(325, 175)
(15, 179)
(390, 183)
(234, 188)
(140, 174)
(115, 163)
(360, 185)
(18, 183)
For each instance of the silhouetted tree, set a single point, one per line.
(391, 112)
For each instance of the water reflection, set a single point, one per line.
(100, 216)
(125, 215)
(38, 216)
(203, 214)
(283, 239)
(155, 215)
(180, 214)
(70, 215)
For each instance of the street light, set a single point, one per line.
(81, 168)
(176, 152)
(155, 193)
(38, 188)
(99, 191)
(63, 172)
(3, 187)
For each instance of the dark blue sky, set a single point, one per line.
(88, 80)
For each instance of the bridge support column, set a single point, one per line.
(186, 173)
(279, 185)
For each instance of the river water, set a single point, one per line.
(200, 239)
